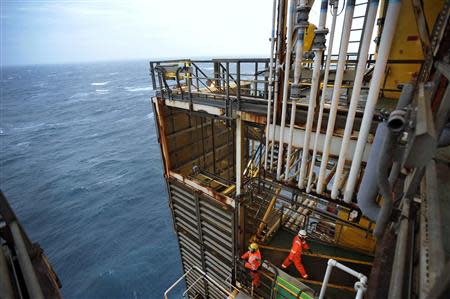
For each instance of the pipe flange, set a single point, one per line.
(320, 39)
(303, 8)
(295, 91)
(302, 25)
(303, 14)
(396, 121)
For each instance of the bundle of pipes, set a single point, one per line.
(342, 178)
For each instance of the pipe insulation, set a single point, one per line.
(287, 68)
(318, 51)
(324, 92)
(374, 90)
(348, 17)
(368, 189)
(356, 92)
(299, 45)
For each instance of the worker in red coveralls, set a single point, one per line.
(253, 257)
(298, 245)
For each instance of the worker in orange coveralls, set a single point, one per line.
(298, 245)
(253, 257)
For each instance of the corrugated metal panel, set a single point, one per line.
(205, 237)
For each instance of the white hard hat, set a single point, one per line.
(302, 233)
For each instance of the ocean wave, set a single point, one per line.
(24, 144)
(102, 91)
(99, 83)
(135, 89)
(30, 127)
(114, 73)
(150, 115)
(79, 95)
(111, 179)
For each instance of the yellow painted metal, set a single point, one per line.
(309, 37)
(406, 45)
(267, 214)
(229, 189)
(349, 237)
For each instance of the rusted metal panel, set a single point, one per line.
(162, 134)
(206, 190)
(255, 118)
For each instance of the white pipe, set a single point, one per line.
(312, 97)
(349, 9)
(299, 45)
(274, 118)
(325, 280)
(287, 68)
(277, 67)
(238, 153)
(291, 137)
(374, 90)
(360, 286)
(362, 59)
(324, 92)
(269, 98)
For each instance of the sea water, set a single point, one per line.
(81, 166)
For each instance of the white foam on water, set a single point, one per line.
(115, 73)
(79, 95)
(135, 89)
(150, 115)
(99, 83)
(102, 91)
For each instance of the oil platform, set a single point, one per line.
(351, 147)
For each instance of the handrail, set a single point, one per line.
(360, 286)
(204, 275)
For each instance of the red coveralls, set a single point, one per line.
(253, 264)
(298, 245)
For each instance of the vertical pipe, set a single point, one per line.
(362, 59)
(299, 45)
(326, 279)
(318, 49)
(291, 137)
(349, 9)
(280, 43)
(398, 267)
(324, 92)
(238, 153)
(269, 98)
(372, 98)
(287, 68)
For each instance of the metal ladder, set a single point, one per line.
(355, 39)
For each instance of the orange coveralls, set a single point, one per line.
(298, 245)
(253, 263)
